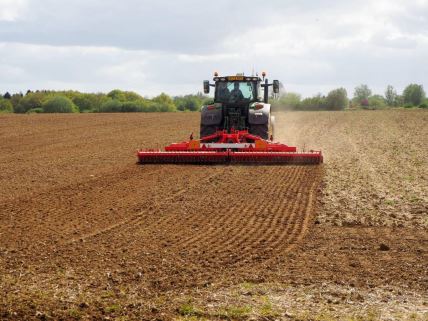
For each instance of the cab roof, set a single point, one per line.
(237, 78)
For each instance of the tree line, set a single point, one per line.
(412, 96)
(47, 101)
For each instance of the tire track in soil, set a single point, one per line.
(179, 224)
(204, 237)
(136, 220)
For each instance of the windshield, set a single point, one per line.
(234, 91)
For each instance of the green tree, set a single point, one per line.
(288, 100)
(164, 103)
(189, 102)
(90, 102)
(5, 106)
(59, 104)
(390, 96)
(117, 94)
(132, 96)
(337, 99)
(362, 93)
(30, 101)
(414, 94)
(123, 96)
(317, 102)
(111, 106)
(376, 102)
(141, 105)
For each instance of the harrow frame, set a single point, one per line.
(238, 146)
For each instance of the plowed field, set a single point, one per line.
(85, 232)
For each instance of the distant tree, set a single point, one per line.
(164, 103)
(337, 99)
(7, 95)
(15, 99)
(117, 94)
(317, 102)
(390, 96)
(362, 93)
(287, 100)
(399, 100)
(111, 106)
(376, 102)
(59, 104)
(414, 94)
(141, 105)
(5, 106)
(28, 92)
(89, 102)
(424, 104)
(189, 102)
(30, 101)
(123, 96)
(132, 96)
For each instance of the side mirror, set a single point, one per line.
(206, 87)
(276, 86)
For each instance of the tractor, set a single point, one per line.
(240, 103)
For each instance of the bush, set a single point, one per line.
(30, 101)
(111, 106)
(164, 103)
(189, 102)
(136, 106)
(414, 94)
(35, 111)
(424, 104)
(408, 105)
(376, 102)
(287, 101)
(314, 103)
(5, 106)
(361, 93)
(337, 99)
(90, 102)
(59, 104)
(124, 96)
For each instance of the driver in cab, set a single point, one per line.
(236, 93)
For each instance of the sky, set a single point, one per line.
(172, 46)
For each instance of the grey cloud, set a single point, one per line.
(140, 45)
(184, 26)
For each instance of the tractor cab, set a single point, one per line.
(237, 90)
(238, 105)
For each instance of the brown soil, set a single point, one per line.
(86, 232)
(376, 164)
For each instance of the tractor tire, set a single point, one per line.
(260, 130)
(207, 130)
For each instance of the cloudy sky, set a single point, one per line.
(171, 46)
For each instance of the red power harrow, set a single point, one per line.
(238, 146)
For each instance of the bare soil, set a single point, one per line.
(88, 233)
(376, 164)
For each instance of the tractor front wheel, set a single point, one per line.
(207, 130)
(260, 130)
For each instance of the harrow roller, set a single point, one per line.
(235, 147)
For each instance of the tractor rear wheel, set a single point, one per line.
(207, 130)
(260, 130)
